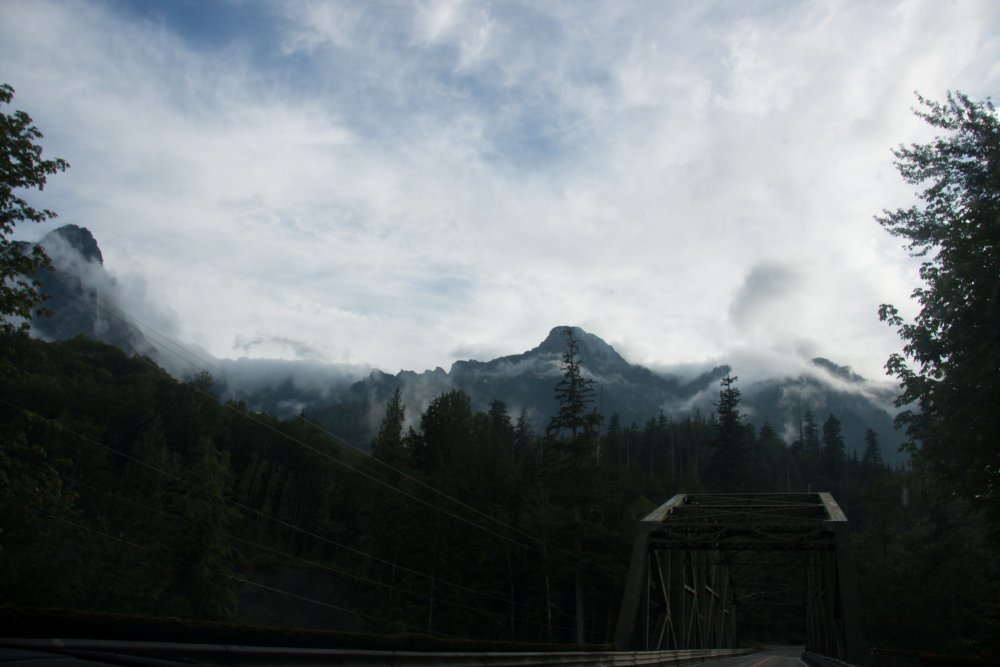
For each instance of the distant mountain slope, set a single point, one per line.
(636, 393)
(833, 389)
(81, 296)
(80, 292)
(528, 379)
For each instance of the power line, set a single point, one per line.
(88, 529)
(291, 526)
(402, 473)
(357, 577)
(571, 559)
(337, 608)
(271, 589)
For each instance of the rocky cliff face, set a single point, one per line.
(81, 295)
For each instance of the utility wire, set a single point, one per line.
(271, 589)
(263, 515)
(255, 584)
(88, 529)
(571, 558)
(199, 361)
(351, 575)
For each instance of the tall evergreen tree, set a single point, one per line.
(573, 434)
(524, 437)
(730, 463)
(810, 434)
(951, 391)
(388, 443)
(833, 448)
(203, 582)
(573, 429)
(614, 442)
(501, 427)
(872, 458)
(446, 424)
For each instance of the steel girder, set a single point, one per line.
(697, 558)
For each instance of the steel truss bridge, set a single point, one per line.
(704, 568)
(704, 563)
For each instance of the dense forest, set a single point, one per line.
(125, 490)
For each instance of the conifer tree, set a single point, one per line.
(730, 461)
(872, 458)
(833, 448)
(573, 433)
(524, 437)
(388, 443)
(810, 434)
(614, 441)
(203, 585)
(501, 427)
(575, 396)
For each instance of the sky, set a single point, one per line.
(405, 184)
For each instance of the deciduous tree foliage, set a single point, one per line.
(949, 369)
(21, 168)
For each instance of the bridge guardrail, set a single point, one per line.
(264, 656)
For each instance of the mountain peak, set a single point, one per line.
(556, 340)
(843, 372)
(595, 354)
(78, 238)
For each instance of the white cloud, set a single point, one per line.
(395, 183)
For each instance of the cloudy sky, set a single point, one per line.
(404, 184)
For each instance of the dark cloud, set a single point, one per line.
(302, 350)
(766, 285)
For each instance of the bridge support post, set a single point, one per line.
(854, 638)
(632, 598)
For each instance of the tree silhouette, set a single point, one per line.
(575, 395)
(21, 167)
(730, 467)
(388, 443)
(954, 342)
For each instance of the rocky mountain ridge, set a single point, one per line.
(350, 406)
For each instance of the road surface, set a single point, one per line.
(782, 656)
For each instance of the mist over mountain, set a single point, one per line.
(82, 299)
(349, 400)
(527, 381)
(637, 394)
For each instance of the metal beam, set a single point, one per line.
(691, 554)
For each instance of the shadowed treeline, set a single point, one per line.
(127, 491)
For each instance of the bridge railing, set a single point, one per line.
(113, 652)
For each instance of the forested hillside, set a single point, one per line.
(125, 490)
